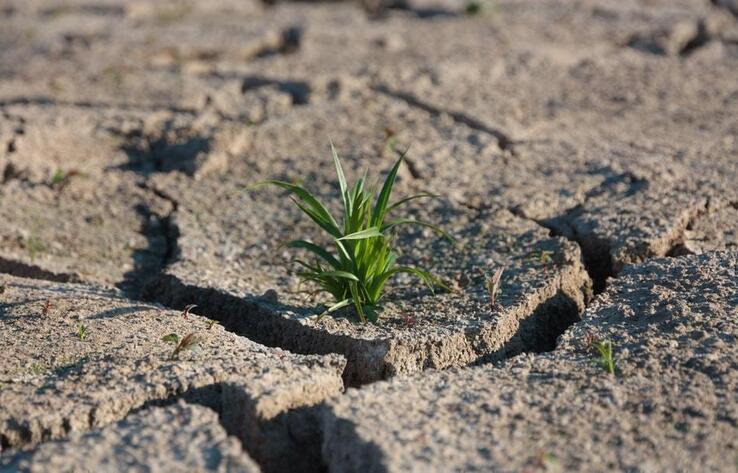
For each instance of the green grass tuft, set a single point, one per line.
(82, 332)
(363, 260)
(58, 177)
(34, 245)
(605, 350)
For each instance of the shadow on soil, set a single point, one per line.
(539, 332)
(161, 234)
(166, 154)
(291, 441)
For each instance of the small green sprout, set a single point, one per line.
(171, 338)
(37, 368)
(355, 275)
(479, 7)
(82, 332)
(547, 461)
(58, 177)
(210, 323)
(189, 342)
(34, 245)
(542, 256)
(473, 7)
(115, 74)
(605, 350)
(493, 286)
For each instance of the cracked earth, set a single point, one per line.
(588, 147)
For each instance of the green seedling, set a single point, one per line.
(171, 338)
(479, 7)
(473, 8)
(189, 342)
(605, 350)
(82, 332)
(363, 262)
(493, 286)
(210, 323)
(58, 177)
(542, 256)
(545, 461)
(37, 368)
(34, 245)
(115, 74)
(61, 178)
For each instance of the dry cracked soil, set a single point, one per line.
(151, 321)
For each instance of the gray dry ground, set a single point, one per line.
(178, 438)
(571, 142)
(76, 383)
(673, 405)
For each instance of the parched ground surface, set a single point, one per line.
(588, 147)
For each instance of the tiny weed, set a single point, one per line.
(61, 178)
(189, 342)
(473, 8)
(82, 332)
(542, 256)
(34, 245)
(47, 307)
(171, 338)
(605, 361)
(58, 177)
(115, 74)
(544, 461)
(493, 286)
(210, 323)
(548, 459)
(187, 310)
(364, 260)
(37, 368)
(479, 7)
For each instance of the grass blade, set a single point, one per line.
(335, 307)
(313, 204)
(421, 195)
(381, 206)
(322, 223)
(363, 234)
(410, 221)
(355, 296)
(340, 274)
(315, 249)
(339, 172)
(429, 280)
